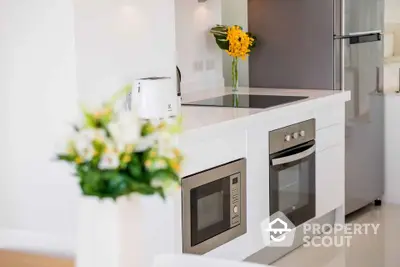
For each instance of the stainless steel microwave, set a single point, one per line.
(213, 207)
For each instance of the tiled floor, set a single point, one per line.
(381, 250)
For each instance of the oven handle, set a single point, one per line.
(295, 157)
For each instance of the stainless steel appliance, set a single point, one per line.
(292, 171)
(334, 45)
(213, 207)
(246, 101)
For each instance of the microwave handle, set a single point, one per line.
(295, 157)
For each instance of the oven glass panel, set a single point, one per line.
(293, 187)
(210, 210)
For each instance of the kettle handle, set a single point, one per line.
(133, 96)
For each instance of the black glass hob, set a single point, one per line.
(246, 101)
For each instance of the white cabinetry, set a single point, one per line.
(330, 181)
(258, 180)
(330, 159)
(208, 152)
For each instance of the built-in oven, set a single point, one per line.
(213, 207)
(292, 171)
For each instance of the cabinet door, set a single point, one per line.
(330, 179)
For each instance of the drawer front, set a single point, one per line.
(329, 116)
(206, 154)
(330, 136)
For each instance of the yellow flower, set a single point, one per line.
(176, 167)
(147, 163)
(126, 158)
(129, 149)
(78, 160)
(239, 42)
(153, 154)
(176, 152)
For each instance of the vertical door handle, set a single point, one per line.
(378, 80)
(399, 83)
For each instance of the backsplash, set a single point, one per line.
(119, 41)
(197, 55)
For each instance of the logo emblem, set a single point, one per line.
(278, 231)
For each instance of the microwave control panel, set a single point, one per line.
(235, 199)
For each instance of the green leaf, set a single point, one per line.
(223, 44)
(147, 129)
(165, 175)
(91, 183)
(117, 184)
(142, 188)
(255, 40)
(161, 193)
(68, 158)
(135, 166)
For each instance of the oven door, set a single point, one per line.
(292, 183)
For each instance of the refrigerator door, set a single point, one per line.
(363, 69)
(363, 16)
(295, 48)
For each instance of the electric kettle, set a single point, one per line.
(155, 97)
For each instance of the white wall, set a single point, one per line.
(392, 11)
(120, 40)
(38, 96)
(195, 44)
(52, 53)
(234, 12)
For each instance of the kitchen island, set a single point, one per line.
(212, 137)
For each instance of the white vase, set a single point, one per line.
(126, 233)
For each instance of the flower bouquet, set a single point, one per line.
(117, 154)
(237, 43)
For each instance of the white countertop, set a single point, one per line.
(196, 118)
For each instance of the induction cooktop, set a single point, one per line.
(246, 101)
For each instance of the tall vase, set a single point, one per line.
(125, 233)
(235, 75)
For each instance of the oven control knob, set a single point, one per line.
(235, 209)
(288, 138)
(302, 133)
(295, 135)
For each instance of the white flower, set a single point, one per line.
(165, 145)
(84, 146)
(146, 142)
(126, 130)
(94, 134)
(109, 161)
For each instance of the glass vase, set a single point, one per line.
(235, 75)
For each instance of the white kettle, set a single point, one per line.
(155, 98)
